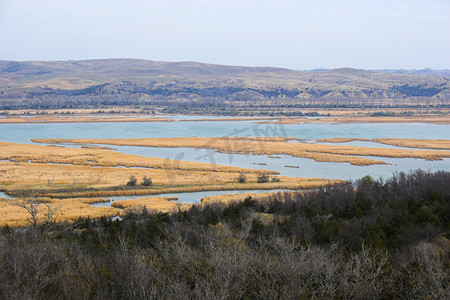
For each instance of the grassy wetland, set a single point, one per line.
(67, 176)
(328, 116)
(98, 217)
(301, 180)
(270, 146)
(408, 143)
(437, 119)
(14, 214)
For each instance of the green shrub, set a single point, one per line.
(132, 181)
(242, 178)
(263, 178)
(146, 181)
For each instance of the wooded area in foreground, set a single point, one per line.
(370, 239)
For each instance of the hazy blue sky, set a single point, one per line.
(369, 34)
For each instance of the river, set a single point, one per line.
(310, 132)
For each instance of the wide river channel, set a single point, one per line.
(310, 132)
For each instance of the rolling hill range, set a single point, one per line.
(59, 84)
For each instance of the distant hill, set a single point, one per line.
(428, 72)
(76, 83)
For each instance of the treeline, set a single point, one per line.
(180, 97)
(370, 239)
(189, 104)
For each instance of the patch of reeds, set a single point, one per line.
(163, 204)
(79, 119)
(67, 210)
(285, 183)
(319, 152)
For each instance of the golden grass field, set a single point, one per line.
(101, 157)
(65, 178)
(67, 210)
(417, 143)
(56, 180)
(78, 119)
(408, 143)
(163, 204)
(231, 119)
(436, 119)
(319, 152)
(73, 208)
(286, 183)
(69, 179)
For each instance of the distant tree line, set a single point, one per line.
(175, 97)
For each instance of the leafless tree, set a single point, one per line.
(36, 216)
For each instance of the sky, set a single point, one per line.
(301, 34)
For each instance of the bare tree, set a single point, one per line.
(37, 217)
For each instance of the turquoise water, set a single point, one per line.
(23, 133)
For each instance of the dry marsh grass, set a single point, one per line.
(106, 158)
(417, 143)
(78, 119)
(285, 183)
(18, 176)
(97, 147)
(341, 140)
(234, 197)
(74, 208)
(232, 145)
(231, 119)
(83, 175)
(162, 204)
(319, 152)
(49, 172)
(437, 119)
(67, 210)
(407, 143)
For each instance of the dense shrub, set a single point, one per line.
(370, 239)
(242, 178)
(146, 181)
(262, 178)
(132, 181)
